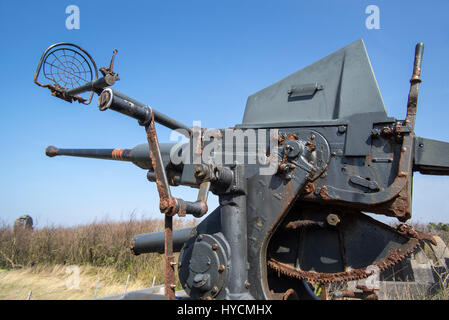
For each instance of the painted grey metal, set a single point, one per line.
(128, 106)
(94, 85)
(139, 155)
(339, 155)
(349, 91)
(431, 156)
(154, 241)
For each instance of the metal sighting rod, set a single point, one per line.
(95, 85)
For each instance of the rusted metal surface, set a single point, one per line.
(354, 274)
(158, 166)
(169, 272)
(120, 154)
(396, 199)
(166, 205)
(290, 294)
(409, 232)
(309, 188)
(304, 224)
(56, 89)
(365, 293)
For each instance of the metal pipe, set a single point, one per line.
(121, 103)
(108, 154)
(154, 242)
(94, 85)
(139, 155)
(234, 228)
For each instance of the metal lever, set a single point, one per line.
(171, 206)
(168, 205)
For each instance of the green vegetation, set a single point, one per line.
(100, 244)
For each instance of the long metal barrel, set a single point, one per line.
(139, 155)
(117, 101)
(154, 242)
(95, 85)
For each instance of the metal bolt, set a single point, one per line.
(333, 219)
(214, 246)
(221, 268)
(342, 129)
(200, 237)
(247, 284)
(214, 290)
(199, 172)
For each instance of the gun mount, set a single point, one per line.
(314, 151)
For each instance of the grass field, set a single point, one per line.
(55, 283)
(37, 259)
(41, 260)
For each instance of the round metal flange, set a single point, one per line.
(203, 266)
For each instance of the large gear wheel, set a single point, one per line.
(329, 246)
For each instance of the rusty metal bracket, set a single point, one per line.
(69, 71)
(169, 205)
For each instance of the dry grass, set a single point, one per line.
(37, 259)
(103, 244)
(54, 283)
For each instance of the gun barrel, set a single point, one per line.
(138, 155)
(117, 101)
(154, 242)
(110, 154)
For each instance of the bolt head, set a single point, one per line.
(333, 220)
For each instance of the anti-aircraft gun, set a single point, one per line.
(314, 152)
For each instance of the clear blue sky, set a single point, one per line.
(193, 60)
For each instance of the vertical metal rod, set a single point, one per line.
(156, 159)
(164, 196)
(412, 102)
(169, 274)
